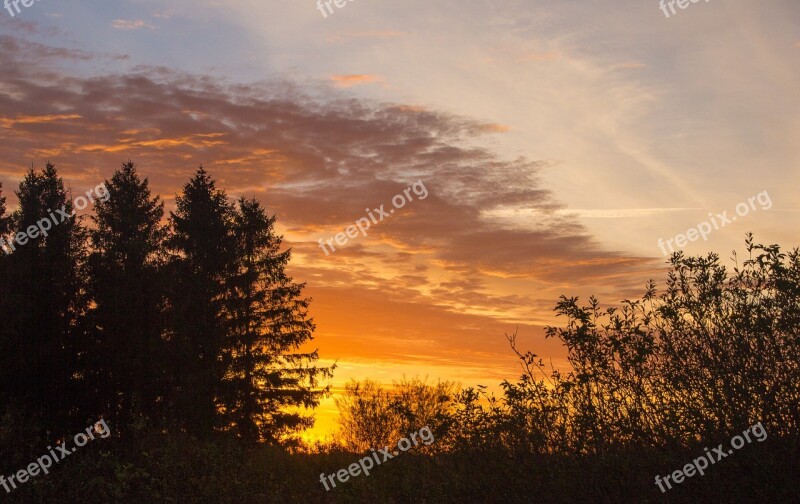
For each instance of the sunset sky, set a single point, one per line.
(558, 141)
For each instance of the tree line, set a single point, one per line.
(186, 323)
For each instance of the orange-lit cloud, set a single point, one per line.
(354, 79)
(496, 128)
(8, 122)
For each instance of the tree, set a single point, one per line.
(201, 240)
(715, 353)
(5, 287)
(366, 419)
(127, 354)
(266, 372)
(371, 416)
(45, 300)
(4, 219)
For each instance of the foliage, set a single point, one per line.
(371, 416)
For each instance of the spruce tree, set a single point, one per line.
(127, 352)
(201, 242)
(5, 308)
(4, 223)
(268, 377)
(45, 299)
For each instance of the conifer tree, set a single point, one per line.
(3, 217)
(203, 258)
(46, 298)
(4, 292)
(269, 323)
(127, 353)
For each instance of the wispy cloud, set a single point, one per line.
(365, 35)
(8, 122)
(355, 79)
(539, 56)
(138, 24)
(617, 213)
(165, 14)
(631, 65)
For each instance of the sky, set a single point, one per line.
(556, 142)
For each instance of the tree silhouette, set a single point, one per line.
(127, 355)
(6, 308)
(201, 239)
(3, 217)
(268, 323)
(715, 353)
(45, 302)
(371, 416)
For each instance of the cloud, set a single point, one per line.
(355, 79)
(631, 65)
(365, 35)
(7, 122)
(35, 54)
(138, 24)
(496, 128)
(537, 56)
(165, 14)
(522, 218)
(620, 213)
